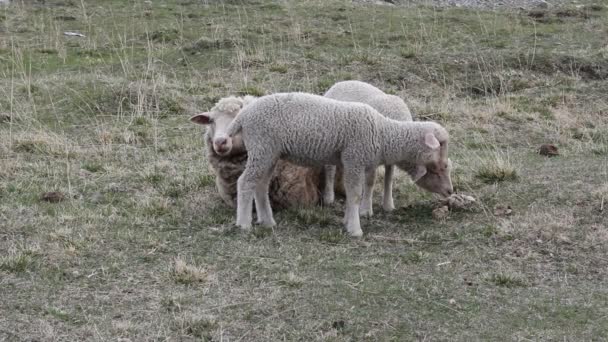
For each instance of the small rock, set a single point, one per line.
(52, 197)
(542, 4)
(73, 34)
(338, 325)
(548, 150)
(441, 212)
(502, 210)
(116, 188)
(97, 197)
(458, 201)
(4, 117)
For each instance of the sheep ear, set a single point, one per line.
(417, 172)
(201, 119)
(431, 141)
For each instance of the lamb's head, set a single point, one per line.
(217, 121)
(431, 170)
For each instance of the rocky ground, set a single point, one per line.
(481, 4)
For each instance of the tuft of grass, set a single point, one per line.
(407, 53)
(156, 207)
(92, 167)
(496, 169)
(414, 257)
(184, 273)
(251, 90)
(291, 280)
(331, 236)
(262, 232)
(310, 216)
(279, 68)
(164, 36)
(507, 280)
(204, 180)
(199, 326)
(17, 262)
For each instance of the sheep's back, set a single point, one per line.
(308, 129)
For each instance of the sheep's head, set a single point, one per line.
(432, 170)
(217, 121)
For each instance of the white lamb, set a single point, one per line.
(315, 131)
(391, 106)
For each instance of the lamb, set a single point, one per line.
(313, 130)
(291, 185)
(391, 106)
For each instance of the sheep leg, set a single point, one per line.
(262, 202)
(257, 167)
(366, 209)
(328, 190)
(353, 185)
(387, 203)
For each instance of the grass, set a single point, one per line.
(142, 247)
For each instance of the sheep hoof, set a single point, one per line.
(270, 223)
(388, 207)
(356, 233)
(244, 226)
(328, 199)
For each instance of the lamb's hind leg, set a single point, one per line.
(262, 202)
(328, 190)
(254, 173)
(353, 185)
(368, 194)
(387, 203)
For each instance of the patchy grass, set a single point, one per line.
(103, 120)
(187, 274)
(496, 169)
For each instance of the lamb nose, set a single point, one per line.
(220, 141)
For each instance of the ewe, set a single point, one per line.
(291, 185)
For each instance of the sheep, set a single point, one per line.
(313, 130)
(291, 185)
(391, 106)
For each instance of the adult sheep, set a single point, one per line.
(290, 186)
(315, 131)
(392, 107)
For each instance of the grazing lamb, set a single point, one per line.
(316, 131)
(390, 106)
(291, 185)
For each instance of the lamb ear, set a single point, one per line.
(431, 141)
(417, 172)
(201, 119)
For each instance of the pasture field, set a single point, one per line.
(136, 244)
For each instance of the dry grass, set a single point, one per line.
(184, 273)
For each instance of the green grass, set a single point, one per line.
(142, 248)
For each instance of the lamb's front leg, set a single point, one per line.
(257, 168)
(262, 202)
(368, 193)
(244, 200)
(328, 190)
(353, 185)
(387, 202)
